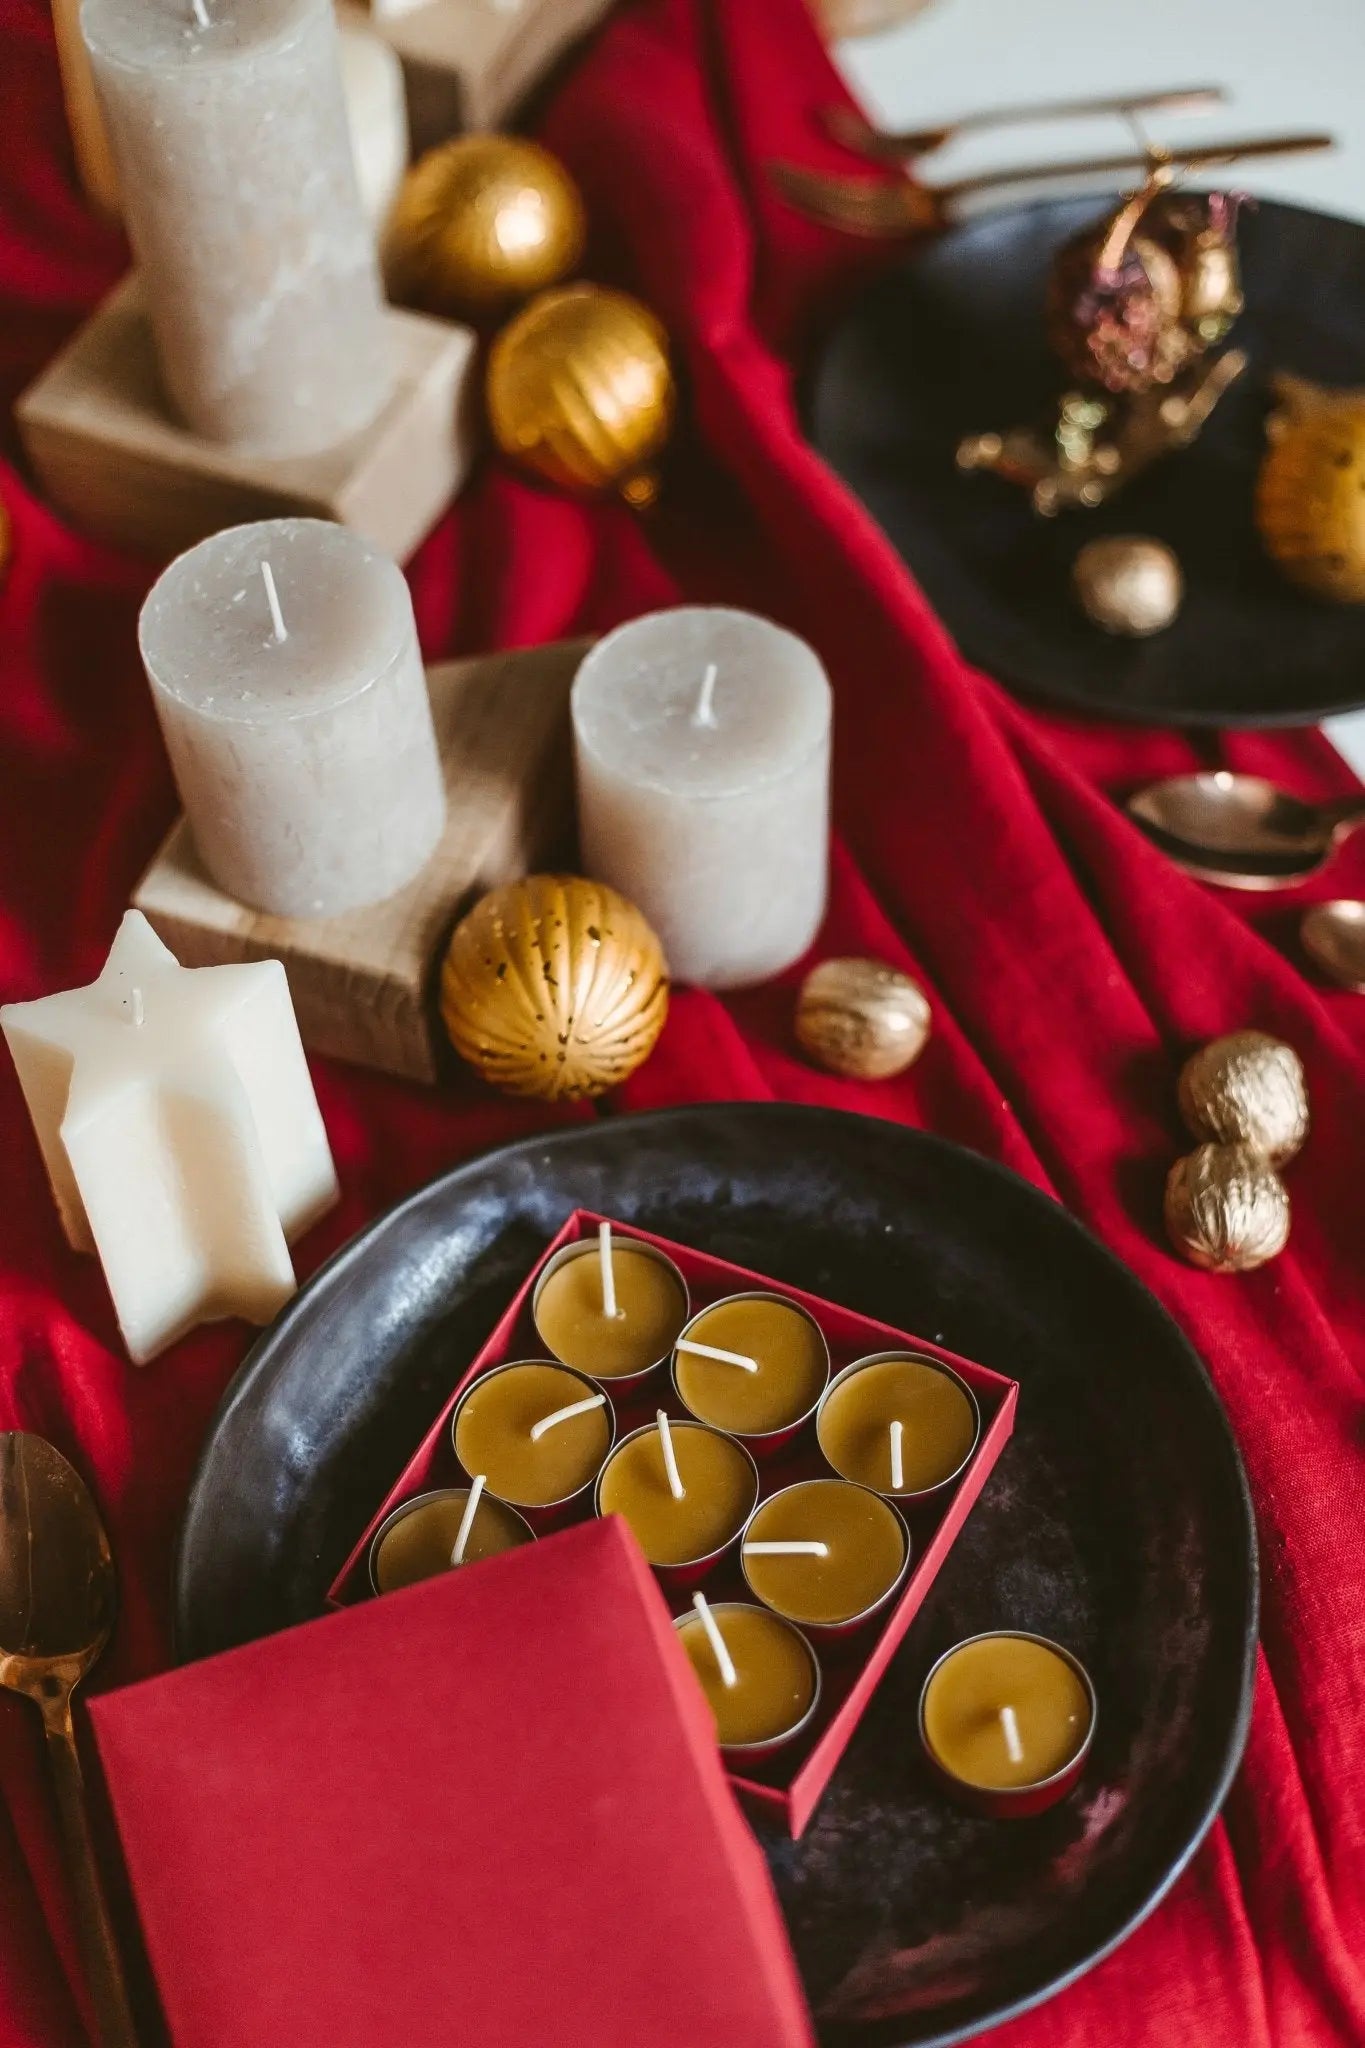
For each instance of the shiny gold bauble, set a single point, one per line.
(1128, 583)
(1310, 496)
(1247, 1089)
(555, 987)
(580, 390)
(481, 222)
(862, 1018)
(1227, 1209)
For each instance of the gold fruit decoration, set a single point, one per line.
(481, 222)
(1247, 1089)
(1310, 495)
(862, 1018)
(554, 987)
(1227, 1209)
(580, 390)
(1128, 583)
(1114, 301)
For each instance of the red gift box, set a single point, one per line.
(790, 1786)
(488, 1809)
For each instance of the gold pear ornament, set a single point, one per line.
(554, 987)
(1310, 495)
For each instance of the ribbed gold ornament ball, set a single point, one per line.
(581, 391)
(554, 987)
(480, 223)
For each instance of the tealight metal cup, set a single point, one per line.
(759, 1752)
(587, 1248)
(1012, 1802)
(421, 1500)
(831, 1632)
(682, 1577)
(913, 1497)
(555, 1512)
(763, 1443)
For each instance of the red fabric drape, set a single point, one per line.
(978, 844)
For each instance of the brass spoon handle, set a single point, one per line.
(1208, 153)
(94, 1930)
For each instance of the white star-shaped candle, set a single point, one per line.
(180, 1132)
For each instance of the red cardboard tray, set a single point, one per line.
(788, 1789)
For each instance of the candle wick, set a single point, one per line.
(137, 1008)
(786, 1550)
(1009, 1724)
(710, 1351)
(201, 13)
(467, 1520)
(609, 1308)
(729, 1675)
(675, 1485)
(705, 713)
(897, 1457)
(538, 1429)
(272, 598)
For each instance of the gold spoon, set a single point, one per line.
(855, 131)
(56, 1611)
(1333, 934)
(1241, 830)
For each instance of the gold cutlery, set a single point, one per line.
(855, 131)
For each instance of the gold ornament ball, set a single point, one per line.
(862, 1018)
(554, 987)
(1247, 1089)
(1310, 495)
(480, 222)
(580, 390)
(1227, 1209)
(1128, 583)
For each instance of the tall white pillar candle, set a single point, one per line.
(234, 161)
(702, 744)
(285, 669)
(180, 1132)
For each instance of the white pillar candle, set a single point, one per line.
(702, 741)
(307, 764)
(229, 132)
(377, 115)
(180, 1132)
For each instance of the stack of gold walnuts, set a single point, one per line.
(1227, 1209)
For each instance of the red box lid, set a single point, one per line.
(487, 1809)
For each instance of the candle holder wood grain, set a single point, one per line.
(114, 460)
(364, 983)
(468, 63)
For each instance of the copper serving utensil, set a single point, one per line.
(880, 209)
(56, 1612)
(1241, 830)
(1333, 935)
(855, 131)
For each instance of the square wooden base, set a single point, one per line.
(364, 984)
(111, 457)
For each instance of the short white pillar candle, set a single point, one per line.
(229, 132)
(702, 744)
(180, 1132)
(307, 764)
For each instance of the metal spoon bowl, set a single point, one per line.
(1333, 935)
(1241, 830)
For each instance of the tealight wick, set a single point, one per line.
(705, 712)
(467, 1520)
(675, 1485)
(201, 13)
(786, 1550)
(710, 1351)
(137, 1007)
(272, 598)
(897, 1456)
(609, 1308)
(1009, 1726)
(726, 1663)
(538, 1429)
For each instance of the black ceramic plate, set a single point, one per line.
(1117, 1520)
(952, 343)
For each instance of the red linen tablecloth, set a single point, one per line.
(1070, 966)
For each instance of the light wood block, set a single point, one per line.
(469, 63)
(111, 457)
(364, 984)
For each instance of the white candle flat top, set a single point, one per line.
(156, 35)
(208, 638)
(637, 697)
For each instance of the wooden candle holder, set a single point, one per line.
(112, 458)
(364, 983)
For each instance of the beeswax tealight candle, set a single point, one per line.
(1008, 1719)
(899, 1423)
(762, 1682)
(537, 1431)
(824, 1553)
(418, 1539)
(610, 1307)
(719, 1487)
(753, 1364)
